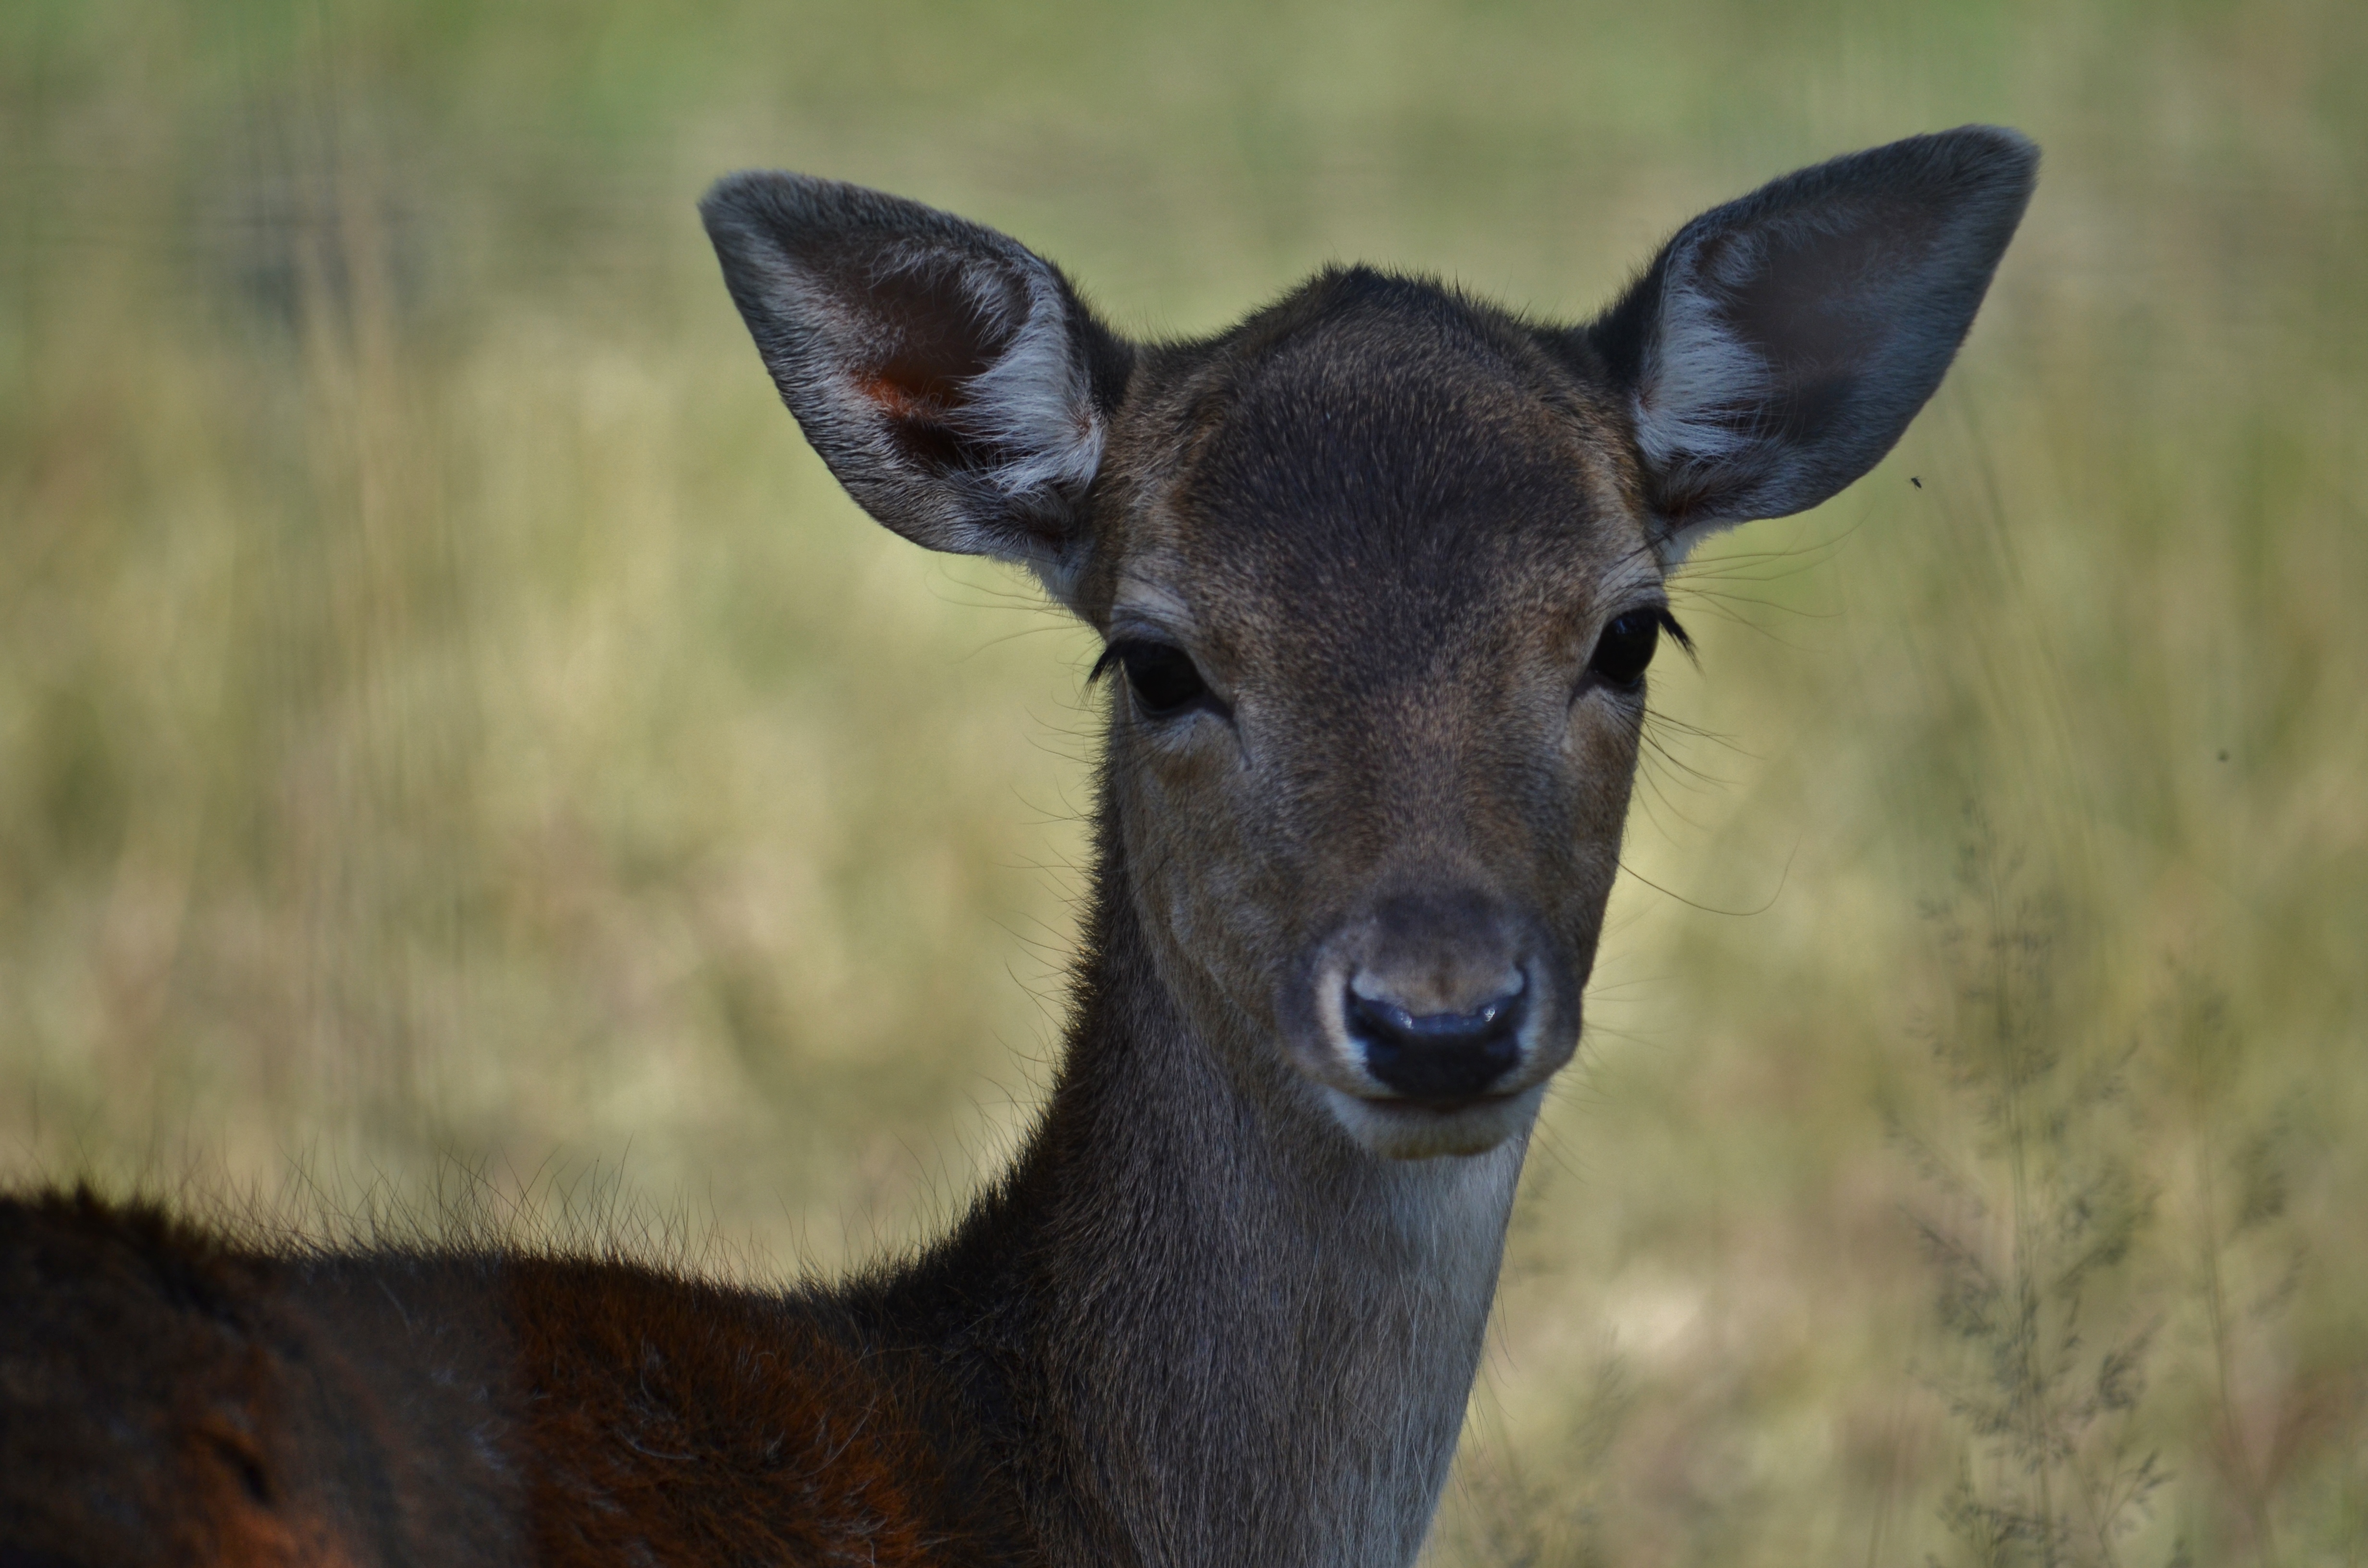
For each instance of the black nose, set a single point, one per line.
(1438, 1056)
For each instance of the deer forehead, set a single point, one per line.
(1373, 486)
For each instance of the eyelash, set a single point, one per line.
(1161, 678)
(1620, 656)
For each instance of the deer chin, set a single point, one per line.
(1418, 1130)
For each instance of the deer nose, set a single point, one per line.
(1437, 1058)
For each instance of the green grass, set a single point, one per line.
(453, 733)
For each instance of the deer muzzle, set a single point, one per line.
(1431, 1023)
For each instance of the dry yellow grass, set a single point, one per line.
(455, 740)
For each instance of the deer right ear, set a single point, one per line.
(1778, 345)
(948, 376)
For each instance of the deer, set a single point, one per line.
(1378, 573)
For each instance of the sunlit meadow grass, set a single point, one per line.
(455, 740)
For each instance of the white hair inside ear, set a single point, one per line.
(1696, 369)
(1697, 372)
(1034, 401)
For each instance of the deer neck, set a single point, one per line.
(1258, 1338)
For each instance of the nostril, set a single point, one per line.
(1436, 1056)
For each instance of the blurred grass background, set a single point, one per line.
(453, 733)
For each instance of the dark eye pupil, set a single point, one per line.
(1163, 677)
(1626, 647)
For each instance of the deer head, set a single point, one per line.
(1378, 571)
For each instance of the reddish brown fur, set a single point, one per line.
(700, 1425)
(194, 1401)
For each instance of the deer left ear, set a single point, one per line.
(1778, 345)
(949, 377)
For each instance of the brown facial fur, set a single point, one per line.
(1390, 536)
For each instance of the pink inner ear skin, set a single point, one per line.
(895, 400)
(916, 412)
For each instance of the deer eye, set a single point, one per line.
(1627, 646)
(1163, 677)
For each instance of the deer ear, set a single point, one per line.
(1778, 345)
(948, 376)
